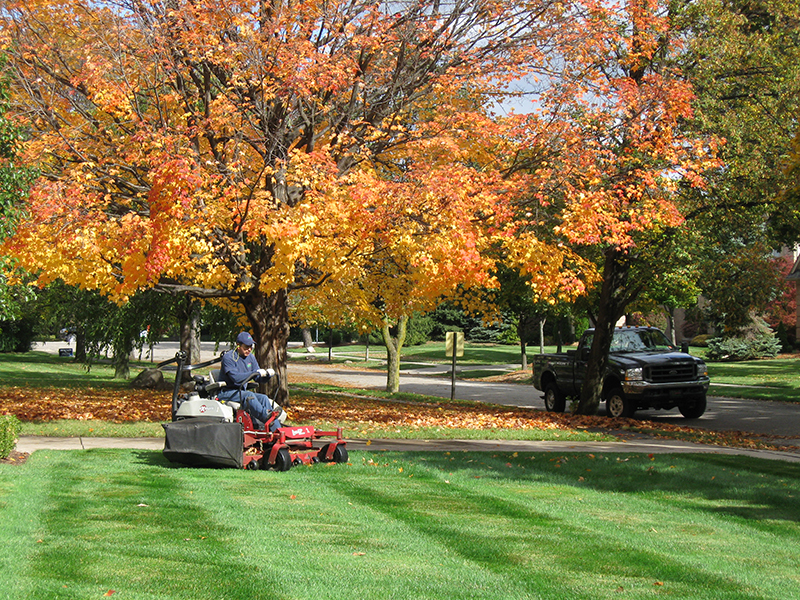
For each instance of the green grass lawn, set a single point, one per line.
(41, 369)
(767, 379)
(434, 352)
(81, 524)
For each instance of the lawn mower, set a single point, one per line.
(206, 431)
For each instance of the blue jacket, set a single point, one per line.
(236, 369)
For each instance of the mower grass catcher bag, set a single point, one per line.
(204, 443)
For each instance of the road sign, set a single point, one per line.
(454, 338)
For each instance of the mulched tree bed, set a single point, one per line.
(15, 458)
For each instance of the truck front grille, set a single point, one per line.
(673, 372)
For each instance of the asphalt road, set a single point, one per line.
(723, 414)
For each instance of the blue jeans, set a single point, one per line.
(258, 406)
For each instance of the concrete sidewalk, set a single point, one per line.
(30, 444)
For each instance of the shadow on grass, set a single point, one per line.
(120, 524)
(509, 527)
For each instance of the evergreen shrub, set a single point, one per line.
(9, 432)
(757, 341)
(16, 336)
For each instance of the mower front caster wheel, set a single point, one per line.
(283, 461)
(339, 454)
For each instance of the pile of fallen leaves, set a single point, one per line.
(391, 414)
(85, 404)
(352, 411)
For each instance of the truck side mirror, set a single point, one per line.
(685, 347)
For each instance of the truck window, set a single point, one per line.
(640, 341)
(656, 340)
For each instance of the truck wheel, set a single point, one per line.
(694, 409)
(617, 405)
(554, 400)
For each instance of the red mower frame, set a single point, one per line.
(288, 446)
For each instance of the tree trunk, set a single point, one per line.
(123, 347)
(393, 347)
(541, 335)
(671, 324)
(522, 331)
(80, 345)
(612, 307)
(189, 320)
(269, 323)
(559, 343)
(308, 341)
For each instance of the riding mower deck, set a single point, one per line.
(208, 432)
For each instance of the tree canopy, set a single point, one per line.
(252, 148)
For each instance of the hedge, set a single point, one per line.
(9, 431)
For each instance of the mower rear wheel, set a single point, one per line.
(283, 461)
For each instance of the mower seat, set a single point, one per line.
(217, 384)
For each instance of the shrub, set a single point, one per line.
(16, 336)
(700, 341)
(483, 335)
(743, 348)
(756, 340)
(419, 329)
(9, 431)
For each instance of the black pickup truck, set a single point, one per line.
(644, 371)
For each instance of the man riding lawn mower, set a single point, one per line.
(222, 423)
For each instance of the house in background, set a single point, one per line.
(794, 276)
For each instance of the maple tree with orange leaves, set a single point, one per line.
(253, 149)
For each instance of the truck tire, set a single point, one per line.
(554, 400)
(694, 409)
(617, 405)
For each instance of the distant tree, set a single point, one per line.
(739, 281)
(101, 327)
(781, 313)
(743, 60)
